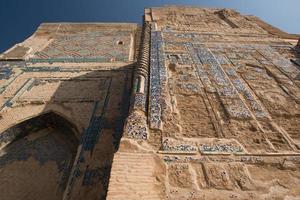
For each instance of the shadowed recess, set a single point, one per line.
(36, 157)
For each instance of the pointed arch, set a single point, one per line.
(12, 118)
(36, 157)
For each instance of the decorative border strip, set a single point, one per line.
(74, 60)
(158, 77)
(28, 84)
(32, 82)
(88, 140)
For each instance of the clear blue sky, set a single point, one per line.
(20, 18)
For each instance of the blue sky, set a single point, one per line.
(20, 18)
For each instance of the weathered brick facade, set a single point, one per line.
(194, 104)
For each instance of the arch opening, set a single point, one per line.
(36, 158)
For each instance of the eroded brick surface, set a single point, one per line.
(195, 104)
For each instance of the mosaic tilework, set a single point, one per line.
(136, 127)
(170, 145)
(223, 146)
(5, 72)
(86, 47)
(203, 75)
(157, 79)
(181, 59)
(9, 81)
(239, 83)
(26, 86)
(139, 101)
(286, 66)
(229, 95)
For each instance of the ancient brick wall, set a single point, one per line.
(196, 104)
(223, 111)
(81, 73)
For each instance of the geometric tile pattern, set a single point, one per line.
(88, 46)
